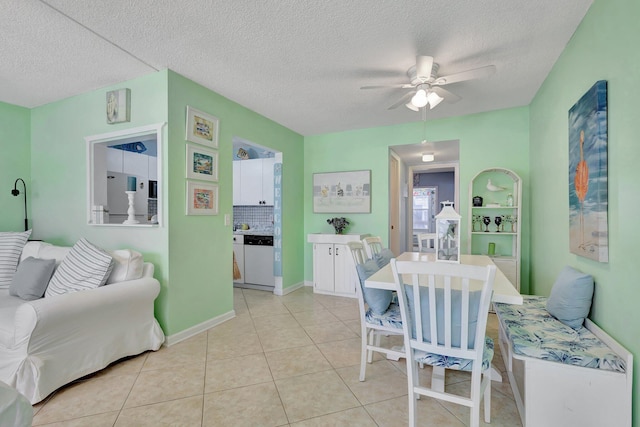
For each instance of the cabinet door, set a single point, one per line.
(135, 164)
(237, 184)
(153, 168)
(267, 180)
(251, 182)
(323, 267)
(343, 271)
(114, 160)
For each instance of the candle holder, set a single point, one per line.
(131, 219)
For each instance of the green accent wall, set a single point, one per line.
(602, 48)
(15, 139)
(494, 139)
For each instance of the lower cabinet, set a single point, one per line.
(333, 270)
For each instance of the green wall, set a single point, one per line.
(201, 247)
(494, 139)
(599, 50)
(15, 138)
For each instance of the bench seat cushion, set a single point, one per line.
(533, 332)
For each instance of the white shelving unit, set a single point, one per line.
(506, 237)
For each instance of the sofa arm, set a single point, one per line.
(51, 321)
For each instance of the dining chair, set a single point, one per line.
(429, 239)
(374, 323)
(372, 246)
(453, 309)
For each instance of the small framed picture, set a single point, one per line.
(202, 198)
(202, 128)
(202, 163)
(118, 106)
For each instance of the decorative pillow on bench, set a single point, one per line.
(85, 267)
(570, 299)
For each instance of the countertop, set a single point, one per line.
(254, 232)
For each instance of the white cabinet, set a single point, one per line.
(333, 269)
(496, 223)
(135, 164)
(253, 182)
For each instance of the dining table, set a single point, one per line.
(503, 291)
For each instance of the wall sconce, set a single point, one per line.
(16, 192)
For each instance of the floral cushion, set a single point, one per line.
(456, 362)
(390, 318)
(534, 332)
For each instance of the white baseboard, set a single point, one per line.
(288, 290)
(196, 329)
(308, 283)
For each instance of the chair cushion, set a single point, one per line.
(86, 267)
(456, 362)
(570, 299)
(377, 299)
(456, 318)
(390, 318)
(32, 277)
(11, 245)
(383, 257)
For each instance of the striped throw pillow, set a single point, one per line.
(85, 267)
(11, 244)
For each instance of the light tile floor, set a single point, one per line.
(283, 361)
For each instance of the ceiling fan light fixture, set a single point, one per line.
(434, 99)
(419, 100)
(428, 157)
(412, 107)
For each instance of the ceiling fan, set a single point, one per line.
(426, 85)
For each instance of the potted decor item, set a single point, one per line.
(339, 224)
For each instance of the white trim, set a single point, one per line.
(282, 292)
(196, 329)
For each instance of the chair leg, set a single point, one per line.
(487, 401)
(363, 354)
(372, 337)
(411, 378)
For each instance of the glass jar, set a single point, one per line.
(510, 200)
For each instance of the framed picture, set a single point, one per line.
(202, 128)
(342, 192)
(588, 190)
(202, 198)
(118, 106)
(202, 163)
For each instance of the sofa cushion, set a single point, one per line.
(31, 278)
(11, 244)
(127, 265)
(8, 307)
(85, 267)
(570, 299)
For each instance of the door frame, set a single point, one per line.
(429, 168)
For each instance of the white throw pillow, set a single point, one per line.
(11, 244)
(85, 267)
(127, 266)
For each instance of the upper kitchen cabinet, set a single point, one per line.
(253, 182)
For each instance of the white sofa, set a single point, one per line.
(49, 342)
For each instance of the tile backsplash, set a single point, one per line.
(255, 216)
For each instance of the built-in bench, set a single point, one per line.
(561, 376)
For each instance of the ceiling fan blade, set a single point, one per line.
(398, 86)
(448, 96)
(476, 73)
(424, 64)
(403, 100)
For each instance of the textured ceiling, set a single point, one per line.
(299, 63)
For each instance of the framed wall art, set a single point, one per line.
(342, 192)
(588, 189)
(202, 198)
(202, 163)
(202, 128)
(118, 106)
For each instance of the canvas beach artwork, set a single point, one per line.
(342, 192)
(588, 187)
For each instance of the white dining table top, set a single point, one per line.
(503, 289)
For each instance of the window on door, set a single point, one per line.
(424, 209)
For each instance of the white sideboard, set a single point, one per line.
(333, 270)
